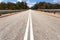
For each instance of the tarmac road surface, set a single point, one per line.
(30, 25)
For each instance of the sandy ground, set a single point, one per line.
(52, 14)
(8, 14)
(57, 15)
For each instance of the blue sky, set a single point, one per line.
(31, 2)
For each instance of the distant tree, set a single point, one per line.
(22, 5)
(13, 6)
(35, 6)
(2, 5)
(45, 5)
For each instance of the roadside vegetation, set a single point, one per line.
(13, 6)
(9, 7)
(23, 5)
(45, 5)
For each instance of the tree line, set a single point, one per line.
(45, 5)
(23, 5)
(13, 6)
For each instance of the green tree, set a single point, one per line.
(13, 6)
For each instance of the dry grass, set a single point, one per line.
(52, 14)
(8, 14)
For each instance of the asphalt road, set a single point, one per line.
(30, 25)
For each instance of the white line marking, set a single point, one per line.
(26, 32)
(29, 24)
(31, 29)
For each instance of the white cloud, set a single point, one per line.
(13, 2)
(56, 1)
(1, 0)
(19, 0)
(30, 4)
(34, 3)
